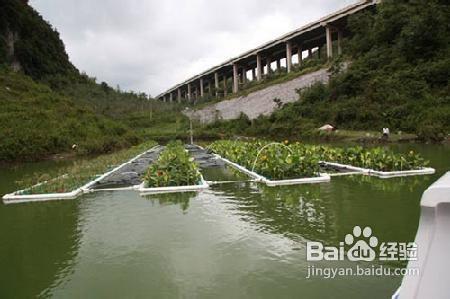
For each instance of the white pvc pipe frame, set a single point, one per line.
(15, 197)
(155, 190)
(264, 147)
(172, 189)
(356, 170)
(384, 174)
(323, 177)
(18, 198)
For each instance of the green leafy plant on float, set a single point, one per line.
(377, 158)
(174, 167)
(303, 160)
(275, 162)
(384, 160)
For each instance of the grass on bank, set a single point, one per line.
(47, 104)
(36, 122)
(165, 124)
(81, 172)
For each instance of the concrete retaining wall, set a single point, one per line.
(260, 102)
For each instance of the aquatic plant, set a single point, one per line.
(174, 167)
(273, 162)
(302, 160)
(80, 172)
(377, 158)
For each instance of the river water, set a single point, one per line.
(235, 240)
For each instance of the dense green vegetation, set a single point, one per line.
(398, 78)
(298, 160)
(36, 121)
(274, 161)
(47, 105)
(174, 167)
(377, 158)
(28, 39)
(81, 172)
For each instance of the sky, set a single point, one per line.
(149, 46)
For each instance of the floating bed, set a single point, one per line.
(173, 171)
(351, 169)
(393, 174)
(382, 174)
(202, 185)
(340, 169)
(322, 178)
(19, 197)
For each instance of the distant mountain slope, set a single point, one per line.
(35, 122)
(30, 44)
(47, 105)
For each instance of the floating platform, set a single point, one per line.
(381, 174)
(202, 185)
(19, 197)
(322, 178)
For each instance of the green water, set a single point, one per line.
(235, 240)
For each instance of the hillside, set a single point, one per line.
(398, 78)
(47, 105)
(35, 122)
(30, 44)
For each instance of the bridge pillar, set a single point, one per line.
(339, 42)
(189, 92)
(278, 64)
(235, 78)
(202, 93)
(244, 75)
(171, 97)
(289, 56)
(329, 41)
(309, 53)
(299, 53)
(216, 83)
(253, 74)
(268, 62)
(224, 81)
(179, 95)
(258, 67)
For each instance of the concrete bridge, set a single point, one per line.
(256, 63)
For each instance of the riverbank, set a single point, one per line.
(233, 226)
(227, 130)
(366, 137)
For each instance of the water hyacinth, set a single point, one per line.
(275, 161)
(297, 160)
(174, 167)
